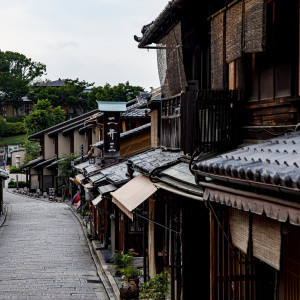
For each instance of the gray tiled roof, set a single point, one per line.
(147, 161)
(116, 174)
(275, 162)
(33, 162)
(150, 29)
(3, 174)
(65, 123)
(55, 83)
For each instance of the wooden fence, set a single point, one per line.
(205, 119)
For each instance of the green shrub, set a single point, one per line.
(157, 288)
(14, 169)
(15, 119)
(11, 129)
(13, 184)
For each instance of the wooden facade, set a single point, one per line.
(241, 72)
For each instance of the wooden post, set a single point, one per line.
(212, 255)
(151, 240)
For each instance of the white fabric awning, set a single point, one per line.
(133, 193)
(97, 200)
(87, 186)
(79, 177)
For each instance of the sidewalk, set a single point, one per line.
(104, 257)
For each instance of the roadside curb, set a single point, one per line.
(112, 290)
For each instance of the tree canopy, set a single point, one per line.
(74, 94)
(17, 72)
(43, 116)
(33, 150)
(121, 92)
(71, 94)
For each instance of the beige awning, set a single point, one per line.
(97, 200)
(79, 177)
(133, 193)
(174, 190)
(87, 186)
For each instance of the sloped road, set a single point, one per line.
(44, 253)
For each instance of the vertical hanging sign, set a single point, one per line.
(111, 146)
(112, 128)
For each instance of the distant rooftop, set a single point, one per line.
(55, 83)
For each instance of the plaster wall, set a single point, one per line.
(63, 145)
(80, 139)
(49, 147)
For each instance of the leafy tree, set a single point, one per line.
(17, 72)
(43, 116)
(33, 151)
(71, 94)
(65, 170)
(121, 92)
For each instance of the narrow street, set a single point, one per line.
(44, 253)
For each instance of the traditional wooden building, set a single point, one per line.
(77, 135)
(229, 77)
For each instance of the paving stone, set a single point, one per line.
(44, 254)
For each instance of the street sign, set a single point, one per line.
(12, 148)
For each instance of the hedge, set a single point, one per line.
(13, 184)
(14, 169)
(15, 119)
(10, 129)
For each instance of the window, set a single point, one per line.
(270, 73)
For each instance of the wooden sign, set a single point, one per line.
(111, 148)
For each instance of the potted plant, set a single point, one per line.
(122, 261)
(131, 275)
(157, 288)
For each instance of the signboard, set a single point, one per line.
(12, 148)
(111, 148)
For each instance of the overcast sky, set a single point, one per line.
(91, 40)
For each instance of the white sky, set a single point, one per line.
(91, 40)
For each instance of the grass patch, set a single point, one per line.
(13, 140)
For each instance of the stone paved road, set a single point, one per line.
(44, 254)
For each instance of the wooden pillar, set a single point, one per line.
(212, 255)
(151, 240)
(123, 126)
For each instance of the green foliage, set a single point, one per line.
(13, 184)
(156, 288)
(33, 151)
(131, 273)
(11, 129)
(71, 94)
(14, 169)
(14, 119)
(44, 116)
(13, 140)
(64, 166)
(121, 92)
(124, 263)
(65, 170)
(17, 72)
